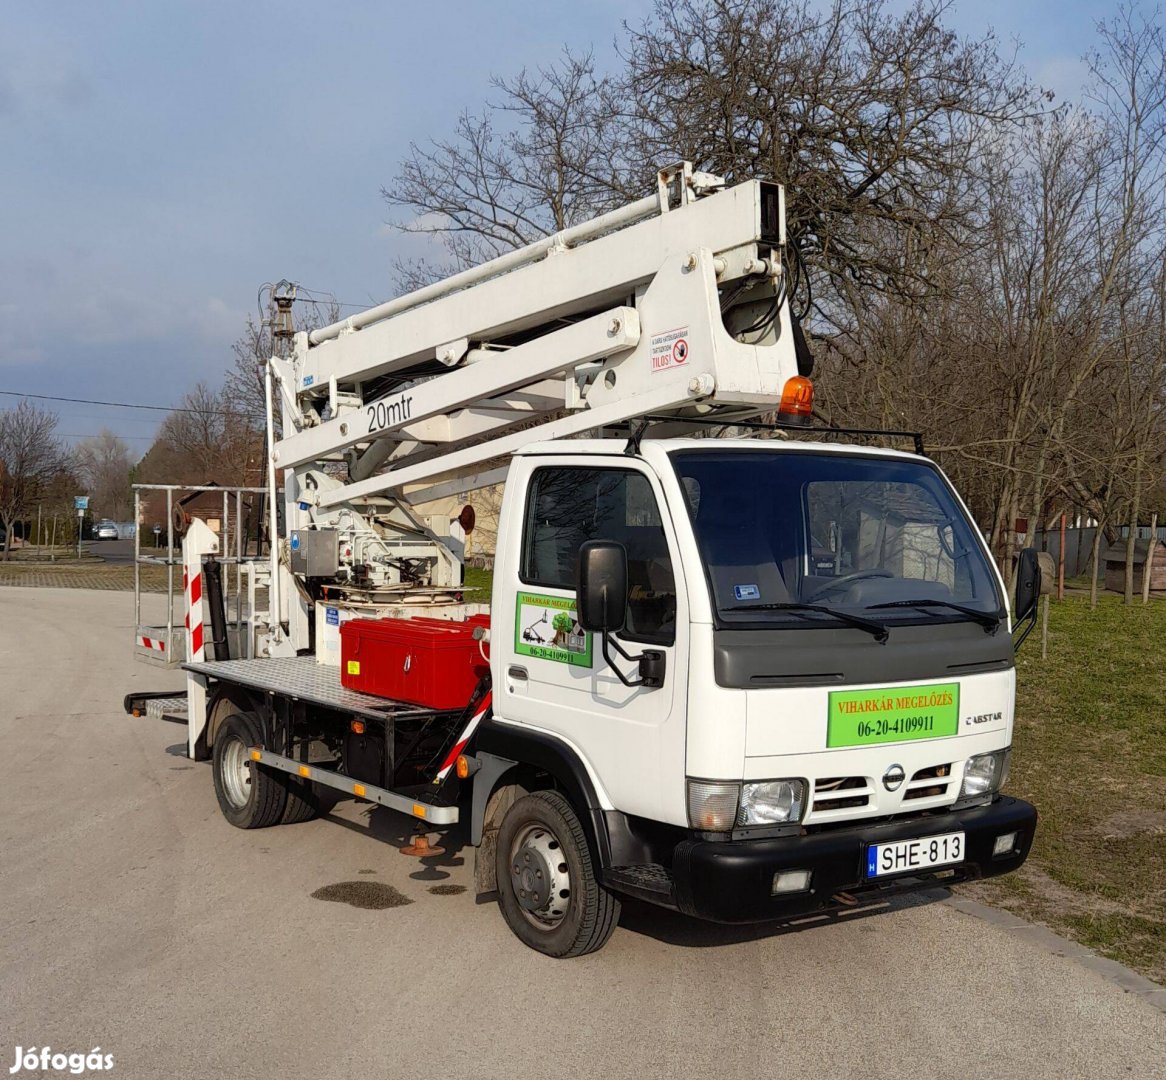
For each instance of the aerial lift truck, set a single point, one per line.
(730, 665)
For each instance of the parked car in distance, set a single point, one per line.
(105, 530)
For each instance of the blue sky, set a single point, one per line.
(159, 160)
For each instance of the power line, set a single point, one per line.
(142, 438)
(330, 301)
(122, 404)
(330, 298)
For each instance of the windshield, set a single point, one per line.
(865, 536)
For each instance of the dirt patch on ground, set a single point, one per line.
(1131, 823)
(373, 895)
(447, 890)
(1029, 890)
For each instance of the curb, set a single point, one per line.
(1043, 938)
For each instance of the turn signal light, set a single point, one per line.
(463, 767)
(357, 727)
(797, 400)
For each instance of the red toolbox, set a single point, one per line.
(430, 662)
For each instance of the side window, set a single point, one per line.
(567, 506)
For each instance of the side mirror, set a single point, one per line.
(1028, 583)
(603, 586)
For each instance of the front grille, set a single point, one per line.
(929, 783)
(840, 793)
(837, 797)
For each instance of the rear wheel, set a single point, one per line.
(251, 796)
(550, 896)
(303, 804)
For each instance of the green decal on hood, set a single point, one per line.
(894, 714)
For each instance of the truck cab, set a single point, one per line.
(830, 710)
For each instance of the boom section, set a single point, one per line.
(676, 304)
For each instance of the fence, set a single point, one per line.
(1079, 546)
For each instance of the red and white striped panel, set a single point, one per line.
(157, 644)
(192, 587)
(194, 615)
(464, 738)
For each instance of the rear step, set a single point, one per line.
(406, 804)
(165, 705)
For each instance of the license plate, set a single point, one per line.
(904, 856)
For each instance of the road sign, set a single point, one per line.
(80, 502)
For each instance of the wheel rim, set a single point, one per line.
(539, 876)
(236, 773)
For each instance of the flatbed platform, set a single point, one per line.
(303, 679)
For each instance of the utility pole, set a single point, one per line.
(283, 326)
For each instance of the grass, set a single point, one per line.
(482, 581)
(1089, 750)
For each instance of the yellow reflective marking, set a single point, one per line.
(256, 755)
(418, 810)
(305, 771)
(358, 789)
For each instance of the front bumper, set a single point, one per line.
(732, 881)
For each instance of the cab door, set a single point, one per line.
(553, 675)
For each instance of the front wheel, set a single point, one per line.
(550, 896)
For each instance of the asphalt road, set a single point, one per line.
(133, 918)
(116, 551)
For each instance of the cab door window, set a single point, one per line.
(569, 505)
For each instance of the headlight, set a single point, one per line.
(985, 774)
(712, 804)
(771, 802)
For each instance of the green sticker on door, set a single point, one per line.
(894, 714)
(546, 628)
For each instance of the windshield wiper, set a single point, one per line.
(876, 629)
(988, 622)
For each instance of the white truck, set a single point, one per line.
(748, 677)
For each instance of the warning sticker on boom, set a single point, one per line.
(670, 349)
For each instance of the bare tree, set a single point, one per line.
(874, 120)
(539, 159)
(209, 438)
(31, 459)
(103, 463)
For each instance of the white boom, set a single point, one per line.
(674, 305)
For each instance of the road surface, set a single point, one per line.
(134, 919)
(117, 551)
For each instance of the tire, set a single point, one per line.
(540, 835)
(302, 802)
(251, 796)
